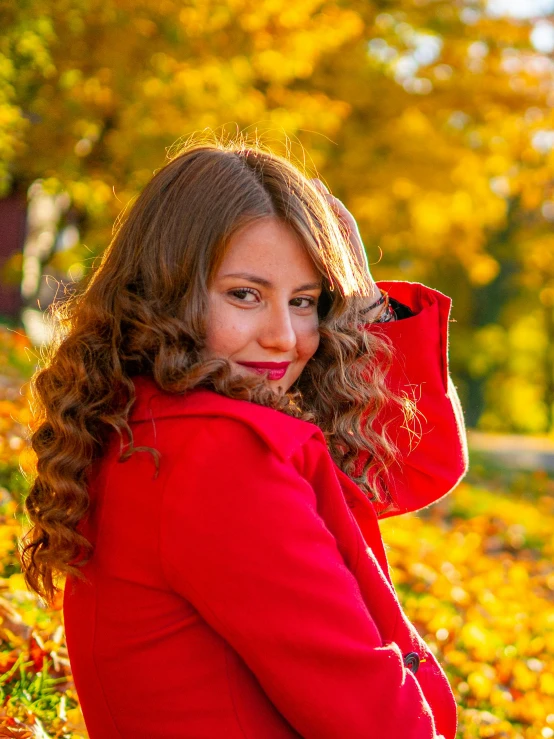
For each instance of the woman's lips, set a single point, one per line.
(273, 370)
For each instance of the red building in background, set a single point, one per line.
(12, 235)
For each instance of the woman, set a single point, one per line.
(215, 439)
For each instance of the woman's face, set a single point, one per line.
(263, 304)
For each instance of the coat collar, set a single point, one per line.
(282, 433)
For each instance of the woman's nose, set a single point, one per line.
(277, 331)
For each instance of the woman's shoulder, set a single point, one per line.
(282, 433)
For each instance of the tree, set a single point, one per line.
(431, 120)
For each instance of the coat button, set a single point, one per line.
(411, 661)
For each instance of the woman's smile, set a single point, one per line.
(274, 370)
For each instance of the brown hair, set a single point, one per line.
(141, 311)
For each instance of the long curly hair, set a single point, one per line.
(142, 310)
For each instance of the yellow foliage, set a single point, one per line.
(478, 595)
(483, 269)
(481, 685)
(436, 129)
(547, 684)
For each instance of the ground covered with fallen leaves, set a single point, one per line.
(475, 574)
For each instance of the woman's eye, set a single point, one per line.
(308, 302)
(241, 293)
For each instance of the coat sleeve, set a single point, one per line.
(242, 540)
(434, 459)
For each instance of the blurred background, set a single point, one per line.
(433, 121)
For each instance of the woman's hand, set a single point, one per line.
(356, 244)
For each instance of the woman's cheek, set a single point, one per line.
(227, 330)
(308, 343)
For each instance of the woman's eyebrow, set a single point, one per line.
(266, 283)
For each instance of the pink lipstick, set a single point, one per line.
(274, 370)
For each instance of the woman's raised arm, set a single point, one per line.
(430, 467)
(434, 458)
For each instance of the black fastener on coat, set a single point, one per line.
(411, 661)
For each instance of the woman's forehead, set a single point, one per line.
(270, 250)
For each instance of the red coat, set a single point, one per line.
(244, 593)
